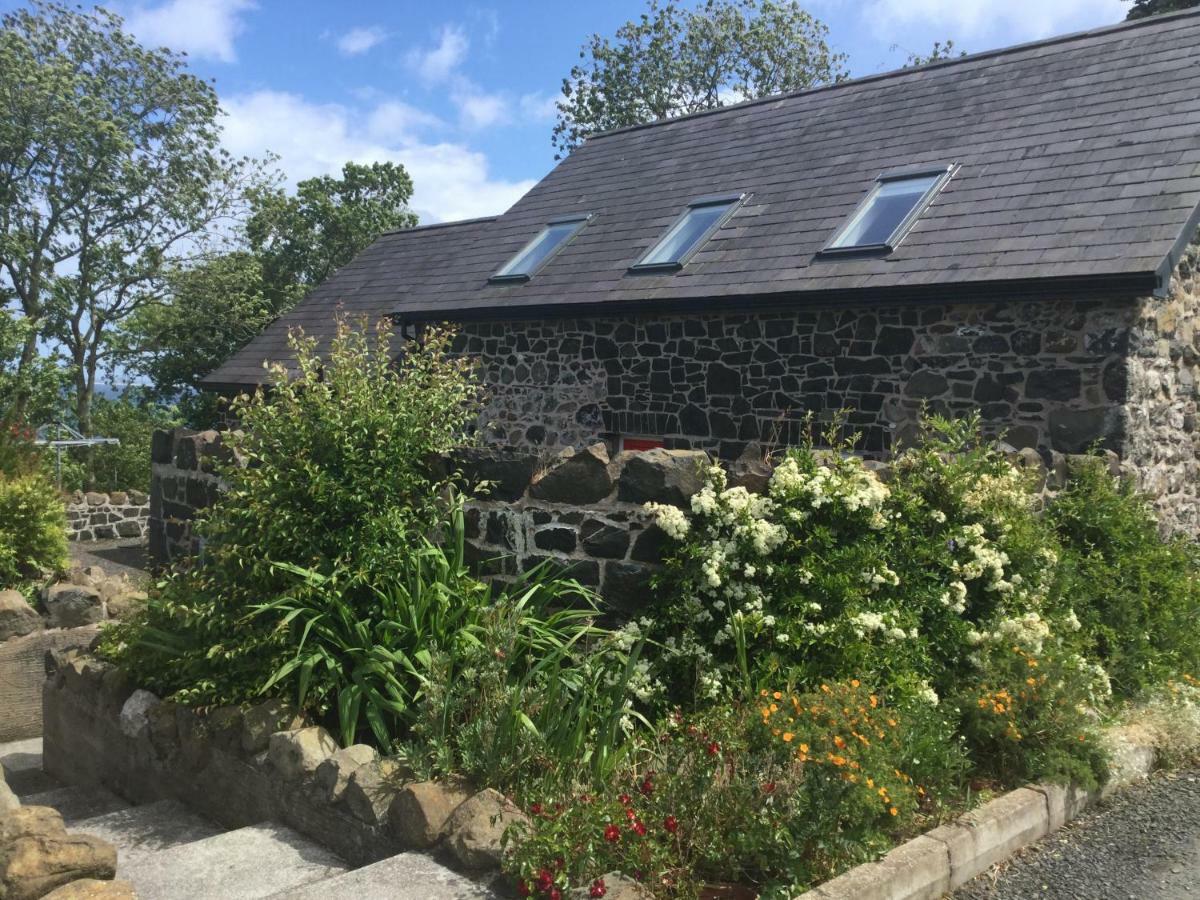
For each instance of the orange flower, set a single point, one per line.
(894, 811)
(787, 737)
(874, 701)
(838, 742)
(804, 748)
(854, 682)
(777, 695)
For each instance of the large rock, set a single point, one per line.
(295, 754)
(93, 889)
(135, 718)
(506, 473)
(662, 476)
(420, 813)
(17, 617)
(579, 477)
(125, 605)
(333, 775)
(261, 721)
(371, 789)
(8, 800)
(37, 855)
(71, 605)
(477, 827)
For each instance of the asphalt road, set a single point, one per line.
(1143, 844)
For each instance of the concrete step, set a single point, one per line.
(407, 876)
(22, 763)
(139, 831)
(244, 864)
(76, 803)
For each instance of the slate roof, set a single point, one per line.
(1079, 170)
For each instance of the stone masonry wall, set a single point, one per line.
(182, 482)
(1163, 446)
(97, 517)
(1051, 373)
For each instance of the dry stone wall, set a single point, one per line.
(183, 481)
(94, 516)
(1051, 374)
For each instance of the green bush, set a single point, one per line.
(1136, 594)
(33, 528)
(132, 419)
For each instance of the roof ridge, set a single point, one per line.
(1126, 25)
(433, 225)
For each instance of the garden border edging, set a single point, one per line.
(947, 857)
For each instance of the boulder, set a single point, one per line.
(420, 812)
(295, 754)
(125, 605)
(372, 787)
(506, 473)
(71, 605)
(261, 721)
(334, 773)
(135, 717)
(37, 855)
(93, 889)
(662, 476)
(475, 829)
(8, 800)
(17, 617)
(138, 498)
(575, 476)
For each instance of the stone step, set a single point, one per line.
(407, 876)
(75, 803)
(244, 864)
(22, 763)
(139, 831)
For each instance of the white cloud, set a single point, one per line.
(205, 29)
(538, 107)
(451, 181)
(479, 110)
(360, 40)
(439, 63)
(1005, 21)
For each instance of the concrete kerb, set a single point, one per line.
(944, 859)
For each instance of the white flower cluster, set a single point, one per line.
(1029, 632)
(955, 599)
(671, 519)
(926, 693)
(885, 624)
(847, 482)
(1005, 490)
(984, 561)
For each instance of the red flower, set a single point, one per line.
(545, 880)
(612, 834)
(535, 809)
(598, 888)
(769, 787)
(638, 828)
(625, 799)
(523, 889)
(671, 824)
(713, 748)
(647, 786)
(585, 799)
(556, 894)
(559, 863)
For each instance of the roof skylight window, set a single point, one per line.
(689, 232)
(538, 252)
(889, 210)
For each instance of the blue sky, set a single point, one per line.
(462, 92)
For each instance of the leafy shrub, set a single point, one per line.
(779, 796)
(18, 453)
(33, 527)
(132, 419)
(336, 477)
(1136, 594)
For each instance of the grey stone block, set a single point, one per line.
(992, 833)
(917, 870)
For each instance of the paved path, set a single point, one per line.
(1144, 844)
(117, 557)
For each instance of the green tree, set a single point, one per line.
(110, 165)
(1142, 9)
(939, 52)
(292, 243)
(41, 383)
(673, 61)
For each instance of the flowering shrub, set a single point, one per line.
(781, 795)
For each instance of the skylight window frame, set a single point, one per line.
(900, 232)
(734, 201)
(579, 220)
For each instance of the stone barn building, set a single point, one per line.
(1012, 232)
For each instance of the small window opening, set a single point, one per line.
(688, 233)
(889, 211)
(625, 442)
(539, 251)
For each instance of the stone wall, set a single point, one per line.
(182, 482)
(1163, 445)
(1050, 373)
(93, 516)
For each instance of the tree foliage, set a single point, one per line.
(672, 61)
(939, 53)
(1142, 9)
(110, 164)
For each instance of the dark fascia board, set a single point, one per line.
(900, 232)
(1121, 286)
(521, 277)
(734, 200)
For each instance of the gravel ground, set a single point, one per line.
(1144, 844)
(116, 557)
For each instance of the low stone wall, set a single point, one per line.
(183, 481)
(93, 516)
